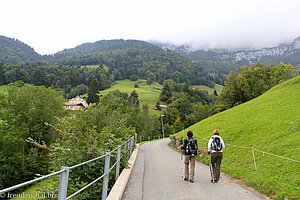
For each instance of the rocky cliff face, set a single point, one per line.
(287, 49)
(284, 51)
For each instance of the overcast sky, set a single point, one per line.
(53, 25)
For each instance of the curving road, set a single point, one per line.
(158, 173)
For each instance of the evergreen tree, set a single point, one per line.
(215, 93)
(1, 74)
(166, 93)
(93, 90)
(134, 99)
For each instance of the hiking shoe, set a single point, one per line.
(186, 179)
(191, 181)
(212, 180)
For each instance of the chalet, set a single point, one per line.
(163, 107)
(76, 103)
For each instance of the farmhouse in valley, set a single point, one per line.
(76, 103)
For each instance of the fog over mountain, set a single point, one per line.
(51, 26)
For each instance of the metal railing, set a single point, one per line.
(64, 173)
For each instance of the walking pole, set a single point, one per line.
(181, 165)
(211, 171)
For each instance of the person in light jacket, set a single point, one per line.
(215, 146)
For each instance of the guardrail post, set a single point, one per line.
(63, 184)
(118, 162)
(127, 150)
(106, 177)
(131, 145)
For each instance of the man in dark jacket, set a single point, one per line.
(190, 148)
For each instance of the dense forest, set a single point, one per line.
(71, 81)
(186, 105)
(13, 51)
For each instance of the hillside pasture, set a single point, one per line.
(148, 94)
(270, 123)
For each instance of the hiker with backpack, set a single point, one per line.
(190, 148)
(215, 146)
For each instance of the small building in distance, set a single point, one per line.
(137, 86)
(76, 103)
(163, 107)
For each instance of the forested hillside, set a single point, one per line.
(13, 51)
(99, 46)
(121, 59)
(132, 59)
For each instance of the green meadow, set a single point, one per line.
(270, 123)
(105, 67)
(148, 94)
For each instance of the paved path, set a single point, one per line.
(158, 174)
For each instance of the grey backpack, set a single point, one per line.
(216, 144)
(191, 146)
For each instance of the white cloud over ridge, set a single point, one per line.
(50, 26)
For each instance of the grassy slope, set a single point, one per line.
(270, 123)
(148, 94)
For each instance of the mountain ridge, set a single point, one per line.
(13, 51)
(241, 57)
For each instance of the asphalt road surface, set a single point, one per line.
(158, 175)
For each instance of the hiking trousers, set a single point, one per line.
(216, 159)
(189, 160)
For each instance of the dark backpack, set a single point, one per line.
(191, 146)
(216, 144)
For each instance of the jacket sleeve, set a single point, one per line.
(209, 144)
(196, 144)
(223, 144)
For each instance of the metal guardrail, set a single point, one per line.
(64, 173)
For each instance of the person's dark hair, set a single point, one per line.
(216, 132)
(189, 133)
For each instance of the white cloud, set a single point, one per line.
(52, 25)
